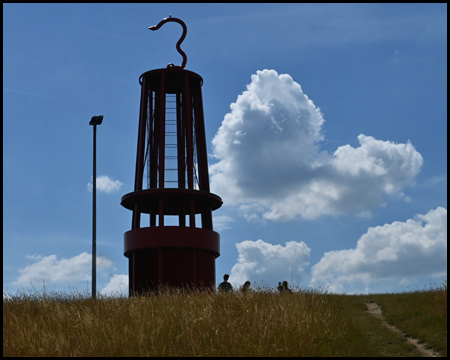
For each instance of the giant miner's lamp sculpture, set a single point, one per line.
(179, 247)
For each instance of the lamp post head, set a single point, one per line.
(96, 120)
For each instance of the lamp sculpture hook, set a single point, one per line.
(161, 23)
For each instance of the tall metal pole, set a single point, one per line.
(96, 120)
(94, 230)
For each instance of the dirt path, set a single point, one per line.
(375, 310)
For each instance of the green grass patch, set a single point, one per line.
(421, 314)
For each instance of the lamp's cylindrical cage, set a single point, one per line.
(179, 246)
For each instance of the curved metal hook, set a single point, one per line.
(161, 23)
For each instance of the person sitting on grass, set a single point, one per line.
(285, 286)
(246, 287)
(225, 286)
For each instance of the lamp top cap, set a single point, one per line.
(96, 120)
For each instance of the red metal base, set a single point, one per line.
(173, 256)
(171, 236)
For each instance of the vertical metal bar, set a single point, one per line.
(155, 145)
(94, 220)
(150, 149)
(180, 145)
(200, 137)
(141, 138)
(202, 159)
(154, 153)
(140, 155)
(161, 210)
(187, 102)
(192, 212)
(188, 121)
(182, 216)
(162, 129)
(149, 133)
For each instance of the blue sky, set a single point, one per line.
(326, 128)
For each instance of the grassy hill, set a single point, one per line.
(307, 322)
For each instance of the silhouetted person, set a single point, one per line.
(225, 286)
(246, 287)
(285, 286)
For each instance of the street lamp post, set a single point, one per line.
(96, 120)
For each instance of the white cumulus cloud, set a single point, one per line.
(395, 253)
(270, 162)
(118, 285)
(260, 261)
(106, 184)
(222, 222)
(49, 269)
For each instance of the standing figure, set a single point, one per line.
(225, 286)
(246, 287)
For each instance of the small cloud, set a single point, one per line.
(118, 285)
(105, 184)
(260, 261)
(51, 269)
(34, 257)
(221, 222)
(435, 180)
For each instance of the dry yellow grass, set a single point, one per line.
(174, 324)
(182, 323)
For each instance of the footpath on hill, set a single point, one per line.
(375, 310)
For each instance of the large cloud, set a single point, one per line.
(270, 160)
(260, 261)
(395, 253)
(49, 269)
